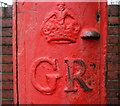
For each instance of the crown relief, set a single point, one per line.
(61, 26)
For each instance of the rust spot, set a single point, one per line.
(93, 65)
(90, 83)
(23, 3)
(98, 17)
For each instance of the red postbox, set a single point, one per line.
(59, 52)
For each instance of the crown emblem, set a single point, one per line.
(60, 26)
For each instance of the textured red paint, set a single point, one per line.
(51, 66)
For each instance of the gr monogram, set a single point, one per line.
(75, 70)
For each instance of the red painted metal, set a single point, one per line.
(59, 52)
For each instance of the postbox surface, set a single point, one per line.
(59, 52)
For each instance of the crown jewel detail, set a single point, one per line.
(61, 25)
